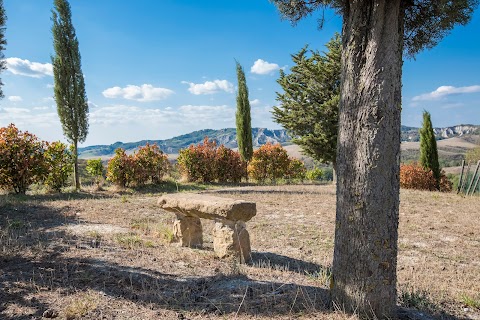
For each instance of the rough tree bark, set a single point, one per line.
(368, 158)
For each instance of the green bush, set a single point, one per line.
(59, 164)
(314, 174)
(95, 169)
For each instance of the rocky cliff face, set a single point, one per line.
(412, 133)
(456, 131)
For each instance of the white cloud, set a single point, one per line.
(255, 102)
(16, 110)
(263, 67)
(42, 108)
(92, 105)
(210, 87)
(48, 99)
(15, 99)
(444, 91)
(28, 68)
(191, 115)
(144, 93)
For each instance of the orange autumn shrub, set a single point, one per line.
(271, 161)
(414, 176)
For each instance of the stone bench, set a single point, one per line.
(230, 236)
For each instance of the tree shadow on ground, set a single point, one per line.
(64, 196)
(271, 191)
(37, 262)
(280, 262)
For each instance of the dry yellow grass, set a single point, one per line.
(109, 256)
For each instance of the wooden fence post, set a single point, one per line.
(465, 180)
(461, 177)
(473, 178)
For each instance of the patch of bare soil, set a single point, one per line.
(110, 257)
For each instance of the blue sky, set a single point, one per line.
(157, 69)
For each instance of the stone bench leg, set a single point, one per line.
(188, 231)
(231, 238)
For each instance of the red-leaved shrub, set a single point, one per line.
(21, 159)
(206, 162)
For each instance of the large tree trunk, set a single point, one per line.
(75, 167)
(368, 156)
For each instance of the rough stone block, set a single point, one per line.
(231, 238)
(188, 231)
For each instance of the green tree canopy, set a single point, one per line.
(309, 102)
(425, 22)
(69, 84)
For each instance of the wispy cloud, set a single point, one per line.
(209, 87)
(444, 91)
(28, 68)
(15, 98)
(255, 102)
(144, 93)
(263, 67)
(187, 114)
(14, 111)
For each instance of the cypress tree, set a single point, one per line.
(428, 148)
(69, 84)
(3, 43)
(243, 119)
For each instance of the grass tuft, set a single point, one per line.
(80, 306)
(471, 302)
(417, 299)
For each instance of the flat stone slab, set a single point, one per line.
(208, 207)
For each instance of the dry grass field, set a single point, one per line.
(109, 256)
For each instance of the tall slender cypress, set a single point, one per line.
(243, 118)
(3, 43)
(69, 84)
(428, 148)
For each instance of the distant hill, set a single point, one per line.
(261, 136)
(226, 137)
